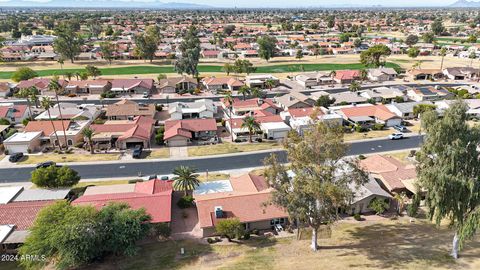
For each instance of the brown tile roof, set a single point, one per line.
(21, 214)
(186, 126)
(46, 126)
(379, 111)
(390, 170)
(130, 108)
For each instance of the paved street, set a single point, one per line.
(247, 160)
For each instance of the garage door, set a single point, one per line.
(12, 149)
(131, 145)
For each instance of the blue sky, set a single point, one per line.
(268, 3)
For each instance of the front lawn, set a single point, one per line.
(360, 245)
(73, 157)
(101, 183)
(158, 153)
(372, 134)
(228, 148)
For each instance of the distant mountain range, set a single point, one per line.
(102, 3)
(466, 4)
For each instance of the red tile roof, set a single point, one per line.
(186, 126)
(141, 128)
(46, 126)
(347, 74)
(379, 111)
(247, 208)
(21, 214)
(304, 112)
(155, 196)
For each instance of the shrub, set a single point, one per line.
(378, 205)
(412, 153)
(185, 202)
(256, 232)
(108, 94)
(210, 240)
(158, 107)
(359, 128)
(412, 209)
(71, 95)
(246, 236)
(357, 217)
(237, 140)
(79, 145)
(378, 126)
(162, 229)
(230, 228)
(25, 121)
(361, 157)
(258, 139)
(159, 138)
(133, 181)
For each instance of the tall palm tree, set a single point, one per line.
(61, 62)
(244, 91)
(34, 95)
(443, 53)
(257, 92)
(88, 134)
(270, 84)
(56, 87)
(251, 125)
(401, 199)
(26, 94)
(354, 86)
(47, 105)
(185, 179)
(228, 99)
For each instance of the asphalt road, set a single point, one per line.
(22, 174)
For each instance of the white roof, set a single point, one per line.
(8, 193)
(275, 126)
(5, 230)
(23, 137)
(213, 187)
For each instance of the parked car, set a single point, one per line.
(15, 157)
(137, 152)
(146, 95)
(45, 164)
(395, 136)
(400, 128)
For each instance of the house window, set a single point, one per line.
(277, 221)
(55, 142)
(69, 142)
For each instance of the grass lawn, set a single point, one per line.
(101, 183)
(131, 70)
(214, 176)
(228, 148)
(61, 158)
(159, 153)
(368, 135)
(401, 156)
(360, 245)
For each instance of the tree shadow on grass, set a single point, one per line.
(395, 245)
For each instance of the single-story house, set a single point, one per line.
(177, 84)
(225, 83)
(369, 114)
(294, 100)
(381, 74)
(346, 76)
(128, 109)
(70, 111)
(405, 109)
(136, 86)
(23, 142)
(95, 87)
(461, 73)
(259, 81)
(73, 131)
(271, 127)
(311, 79)
(155, 196)
(182, 132)
(200, 108)
(384, 94)
(428, 93)
(425, 74)
(366, 193)
(244, 197)
(242, 107)
(14, 113)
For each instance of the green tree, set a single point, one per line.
(107, 49)
(23, 73)
(299, 54)
(251, 125)
(231, 228)
(73, 236)
(68, 42)
(93, 71)
(419, 109)
(55, 86)
(449, 171)
(411, 40)
(354, 86)
(244, 91)
(185, 179)
(472, 39)
(161, 76)
(378, 205)
(30, 95)
(190, 53)
(437, 27)
(324, 101)
(269, 83)
(428, 37)
(373, 56)
(88, 135)
(266, 47)
(55, 177)
(243, 66)
(472, 56)
(413, 52)
(321, 177)
(228, 68)
(146, 46)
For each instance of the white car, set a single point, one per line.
(395, 136)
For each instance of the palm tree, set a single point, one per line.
(443, 53)
(257, 92)
(47, 105)
(400, 198)
(270, 84)
(354, 86)
(61, 62)
(55, 86)
(88, 134)
(229, 99)
(244, 90)
(363, 74)
(26, 94)
(69, 75)
(252, 125)
(185, 179)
